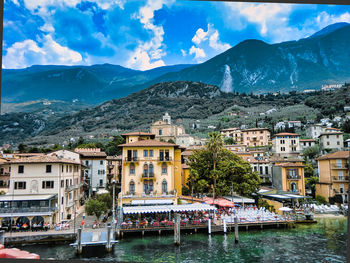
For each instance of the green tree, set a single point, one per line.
(215, 146)
(22, 148)
(311, 152)
(107, 199)
(229, 141)
(308, 170)
(311, 183)
(112, 147)
(95, 207)
(171, 141)
(321, 199)
(231, 171)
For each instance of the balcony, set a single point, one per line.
(5, 174)
(15, 210)
(294, 177)
(148, 176)
(165, 159)
(340, 178)
(131, 159)
(339, 166)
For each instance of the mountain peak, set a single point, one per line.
(329, 29)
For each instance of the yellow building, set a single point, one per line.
(334, 176)
(256, 137)
(165, 130)
(151, 171)
(289, 176)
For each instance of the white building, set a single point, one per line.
(95, 171)
(42, 186)
(306, 143)
(280, 125)
(286, 143)
(294, 124)
(314, 131)
(331, 140)
(187, 140)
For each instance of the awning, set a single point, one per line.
(296, 196)
(218, 201)
(33, 197)
(167, 208)
(153, 202)
(279, 196)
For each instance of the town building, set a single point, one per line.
(289, 176)
(286, 143)
(294, 124)
(333, 171)
(331, 140)
(256, 137)
(306, 143)
(114, 169)
(187, 140)
(260, 163)
(5, 170)
(151, 171)
(95, 168)
(314, 131)
(48, 187)
(164, 129)
(235, 133)
(235, 148)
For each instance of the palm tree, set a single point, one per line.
(215, 146)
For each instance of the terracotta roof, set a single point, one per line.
(93, 154)
(290, 165)
(138, 133)
(256, 129)
(147, 143)
(43, 159)
(335, 155)
(286, 134)
(306, 140)
(330, 133)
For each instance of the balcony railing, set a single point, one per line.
(165, 159)
(340, 166)
(294, 177)
(340, 178)
(131, 159)
(9, 210)
(150, 194)
(148, 175)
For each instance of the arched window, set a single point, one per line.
(145, 169)
(293, 187)
(132, 168)
(164, 168)
(164, 187)
(132, 187)
(150, 169)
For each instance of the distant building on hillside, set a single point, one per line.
(165, 130)
(305, 143)
(330, 87)
(285, 144)
(256, 137)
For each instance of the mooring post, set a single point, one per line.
(109, 243)
(236, 229)
(177, 230)
(79, 246)
(209, 226)
(225, 228)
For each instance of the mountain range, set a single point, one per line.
(252, 66)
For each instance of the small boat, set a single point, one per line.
(16, 253)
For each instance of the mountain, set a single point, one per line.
(258, 67)
(91, 84)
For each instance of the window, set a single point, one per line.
(62, 168)
(66, 168)
(62, 200)
(261, 170)
(160, 132)
(150, 169)
(70, 182)
(132, 187)
(283, 149)
(101, 182)
(132, 168)
(266, 170)
(62, 183)
(145, 153)
(164, 187)
(20, 169)
(145, 170)
(70, 168)
(338, 143)
(67, 182)
(48, 184)
(134, 154)
(282, 141)
(20, 185)
(101, 162)
(327, 143)
(164, 168)
(86, 162)
(341, 175)
(150, 153)
(148, 186)
(293, 187)
(48, 168)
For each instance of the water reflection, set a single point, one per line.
(321, 242)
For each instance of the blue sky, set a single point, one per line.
(151, 33)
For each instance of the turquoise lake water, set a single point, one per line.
(321, 242)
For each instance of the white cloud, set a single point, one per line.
(200, 36)
(184, 53)
(47, 27)
(207, 40)
(198, 52)
(28, 52)
(324, 19)
(148, 54)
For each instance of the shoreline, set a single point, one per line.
(329, 216)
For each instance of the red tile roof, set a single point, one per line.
(148, 143)
(286, 134)
(290, 165)
(335, 155)
(43, 159)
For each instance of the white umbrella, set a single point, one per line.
(286, 209)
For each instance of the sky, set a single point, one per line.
(147, 34)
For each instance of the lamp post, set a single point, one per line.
(113, 209)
